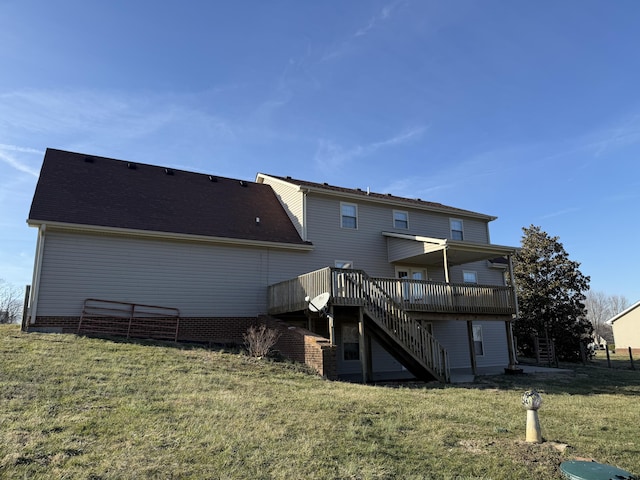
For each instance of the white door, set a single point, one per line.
(411, 292)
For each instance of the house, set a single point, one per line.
(413, 288)
(626, 328)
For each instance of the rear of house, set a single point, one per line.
(434, 263)
(415, 288)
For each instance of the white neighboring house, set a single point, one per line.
(626, 328)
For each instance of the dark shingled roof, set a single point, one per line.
(87, 190)
(415, 202)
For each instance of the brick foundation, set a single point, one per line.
(304, 346)
(296, 343)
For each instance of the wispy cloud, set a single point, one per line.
(347, 45)
(558, 213)
(111, 123)
(384, 14)
(626, 132)
(330, 154)
(9, 159)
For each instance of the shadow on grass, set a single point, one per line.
(580, 380)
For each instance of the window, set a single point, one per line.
(469, 276)
(349, 215)
(343, 264)
(400, 219)
(457, 232)
(350, 342)
(477, 340)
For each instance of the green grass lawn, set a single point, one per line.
(74, 407)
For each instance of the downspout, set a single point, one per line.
(304, 214)
(512, 346)
(37, 270)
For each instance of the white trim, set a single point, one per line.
(475, 274)
(443, 243)
(473, 330)
(451, 230)
(260, 177)
(363, 196)
(623, 313)
(37, 270)
(169, 235)
(393, 218)
(349, 204)
(304, 216)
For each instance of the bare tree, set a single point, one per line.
(10, 302)
(618, 304)
(602, 307)
(598, 311)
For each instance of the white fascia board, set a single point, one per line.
(417, 238)
(399, 203)
(260, 178)
(367, 198)
(456, 244)
(488, 247)
(169, 235)
(623, 313)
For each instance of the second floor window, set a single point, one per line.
(457, 232)
(400, 219)
(349, 215)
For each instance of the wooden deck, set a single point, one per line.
(412, 295)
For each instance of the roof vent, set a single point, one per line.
(288, 177)
(213, 179)
(359, 189)
(89, 159)
(243, 183)
(168, 171)
(325, 183)
(389, 195)
(131, 166)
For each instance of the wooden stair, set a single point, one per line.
(403, 336)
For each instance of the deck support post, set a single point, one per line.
(472, 348)
(332, 326)
(446, 265)
(510, 340)
(364, 351)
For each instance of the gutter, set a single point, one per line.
(171, 235)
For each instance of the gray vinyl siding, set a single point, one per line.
(486, 275)
(494, 339)
(385, 366)
(199, 279)
(452, 335)
(368, 248)
(365, 246)
(292, 200)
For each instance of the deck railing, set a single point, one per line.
(412, 295)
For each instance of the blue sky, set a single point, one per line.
(529, 111)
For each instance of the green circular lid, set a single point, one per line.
(579, 470)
